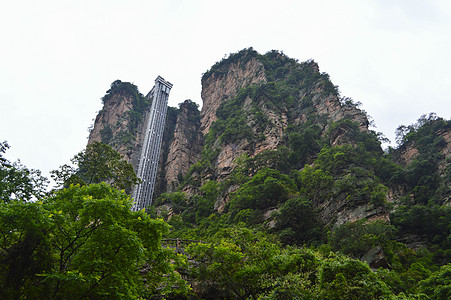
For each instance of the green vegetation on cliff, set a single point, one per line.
(133, 118)
(246, 252)
(424, 209)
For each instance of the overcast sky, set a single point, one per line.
(57, 58)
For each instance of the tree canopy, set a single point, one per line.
(17, 181)
(97, 163)
(83, 242)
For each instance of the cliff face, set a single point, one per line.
(185, 145)
(223, 84)
(276, 147)
(446, 135)
(112, 115)
(227, 80)
(114, 125)
(425, 153)
(168, 136)
(253, 103)
(407, 153)
(266, 119)
(121, 124)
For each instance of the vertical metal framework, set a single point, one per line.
(150, 151)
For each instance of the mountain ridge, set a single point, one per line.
(271, 111)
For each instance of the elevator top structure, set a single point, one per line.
(150, 150)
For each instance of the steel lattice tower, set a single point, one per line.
(150, 151)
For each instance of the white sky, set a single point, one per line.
(57, 58)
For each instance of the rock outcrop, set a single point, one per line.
(185, 146)
(112, 126)
(224, 84)
(446, 135)
(317, 99)
(246, 69)
(409, 150)
(424, 153)
(121, 124)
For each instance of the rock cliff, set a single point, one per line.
(409, 151)
(185, 145)
(119, 123)
(424, 153)
(277, 148)
(266, 98)
(225, 82)
(246, 70)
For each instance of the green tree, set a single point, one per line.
(234, 264)
(267, 188)
(17, 181)
(297, 223)
(240, 263)
(345, 278)
(84, 242)
(438, 285)
(356, 238)
(25, 249)
(431, 221)
(97, 163)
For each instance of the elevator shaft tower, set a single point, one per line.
(150, 150)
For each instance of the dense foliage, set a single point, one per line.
(424, 210)
(97, 163)
(17, 181)
(244, 264)
(81, 242)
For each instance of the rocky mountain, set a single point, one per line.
(268, 111)
(119, 123)
(254, 104)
